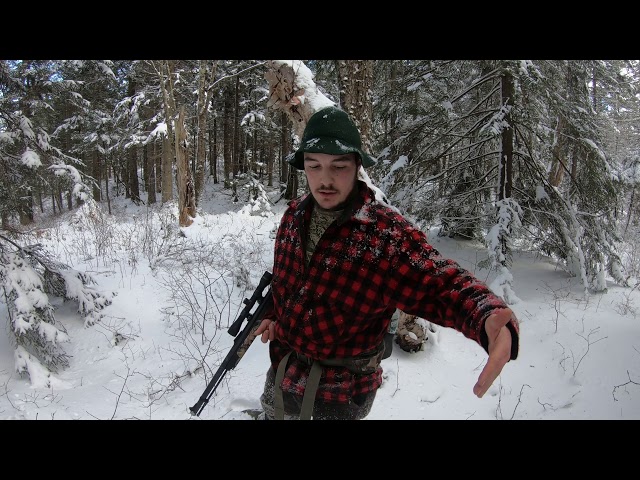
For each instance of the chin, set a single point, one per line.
(333, 204)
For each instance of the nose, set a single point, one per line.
(324, 177)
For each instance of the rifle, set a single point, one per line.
(243, 340)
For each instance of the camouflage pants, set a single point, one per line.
(357, 409)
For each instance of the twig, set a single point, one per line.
(622, 385)
(519, 398)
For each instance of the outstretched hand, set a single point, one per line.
(499, 349)
(267, 329)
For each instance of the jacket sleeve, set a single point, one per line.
(424, 283)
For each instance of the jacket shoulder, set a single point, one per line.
(388, 218)
(373, 209)
(295, 203)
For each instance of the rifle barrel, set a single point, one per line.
(235, 354)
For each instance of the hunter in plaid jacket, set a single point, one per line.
(369, 262)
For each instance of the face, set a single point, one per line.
(331, 177)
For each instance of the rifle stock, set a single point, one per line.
(244, 338)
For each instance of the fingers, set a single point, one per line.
(489, 373)
(499, 355)
(266, 330)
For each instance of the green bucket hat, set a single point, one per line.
(330, 131)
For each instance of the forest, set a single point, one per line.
(539, 155)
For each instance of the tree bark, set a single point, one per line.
(355, 82)
(290, 178)
(150, 175)
(167, 170)
(236, 162)
(106, 185)
(227, 138)
(132, 174)
(96, 171)
(506, 157)
(558, 163)
(164, 68)
(213, 151)
(284, 95)
(186, 194)
(204, 96)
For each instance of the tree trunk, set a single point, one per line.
(132, 174)
(355, 79)
(146, 171)
(285, 93)
(97, 171)
(53, 205)
(236, 162)
(558, 164)
(59, 198)
(186, 194)
(201, 130)
(150, 174)
(39, 190)
(165, 70)
(213, 152)
(106, 185)
(167, 170)
(227, 137)
(506, 158)
(254, 155)
(157, 160)
(26, 208)
(630, 210)
(269, 159)
(291, 179)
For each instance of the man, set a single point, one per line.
(343, 263)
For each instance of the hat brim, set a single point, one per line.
(330, 146)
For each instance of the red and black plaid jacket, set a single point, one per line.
(364, 267)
